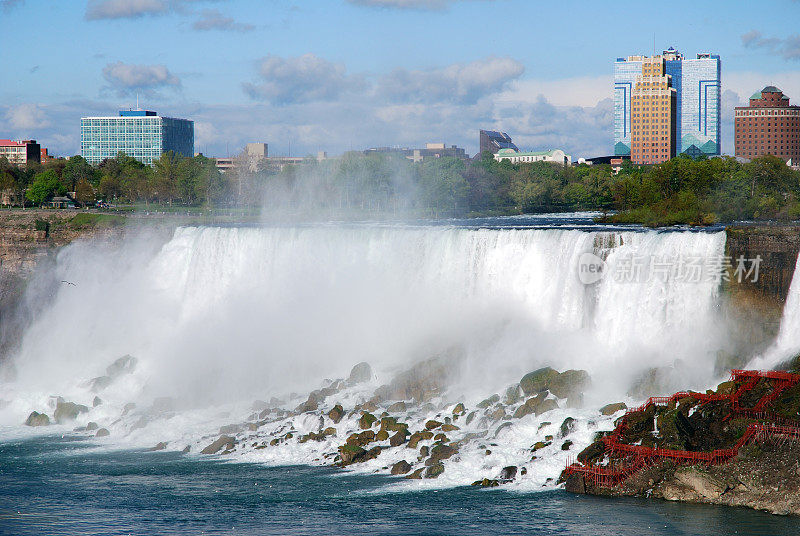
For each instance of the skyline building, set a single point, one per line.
(768, 125)
(653, 114)
(141, 134)
(697, 84)
(20, 152)
(493, 141)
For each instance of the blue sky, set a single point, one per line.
(336, 75)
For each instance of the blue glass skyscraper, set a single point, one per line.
(698, 86)
(143, 135)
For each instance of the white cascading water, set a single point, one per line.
(225, 315)
(787, 343)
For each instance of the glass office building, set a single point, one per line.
(698, 86)
(144, 135)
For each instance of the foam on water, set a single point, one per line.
(221, 316)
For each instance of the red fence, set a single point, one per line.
(626, 460)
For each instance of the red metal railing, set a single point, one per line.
(626, 460)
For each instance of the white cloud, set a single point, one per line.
(465, 83)
(306, 78)
(27, 117)
(127, 79)
(124, 9)
(211, 19)
(788, 47)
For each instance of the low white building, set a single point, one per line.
(556, 156)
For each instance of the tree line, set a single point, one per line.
(682, 190)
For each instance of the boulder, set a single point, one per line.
(547, 404)
(351, 454)
(566, 444)
(433, 471)
(366, 420)
(529, 407)
(230, 429)
(611, 409)
(449, 427)
(400, 468)
(432, 425)
(364, 438)
(221, 443)
(494, 399)
(539, 445)
(592, 453)
(398, 438)
(92, 426)
(416, 475)
(311, 404)
(575, 483)
(459, 409)
(498, 414)
(97, 402)
(486, 483)
(100, 383)
(68, 411)
(538, 380)
(439, 452)
(416, 437)
(102, 432)
(569, 383)
(397, 407)
(566, 427)
(382, 435)
(471, 417)
(507, 474)
(513, 395)
(502, 427)
(360, 373)
(336, 413)
(127, 408)
(124, 365)
(37, 419)
(160, 446)
(421, 382)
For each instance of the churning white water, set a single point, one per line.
(220, 316)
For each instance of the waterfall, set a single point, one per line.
(222, 312)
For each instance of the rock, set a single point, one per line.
(592, 452)
(420, 383)
(366, 420)
(360, 373)
(449, 428)
(311, 404)
(702, 483)
(459, 409)
(230, 429)
(486, 483)
(569, 383)
(502, 427)
(566, 445)
(398, 438)
(397, 407)
(329, 431)
(726, 388)
(566, 427)
(529, 407)
(611, 409)
(539, 445)
(513, 395)
(424, 452)
(439, 452)
(124, 365)
(336, 413)
(223, 442)
(97, 402)
(401, 468)
(160, 446)
(364, 438)
(548, 404)
(383, 435)
(351, 454)
(416, 437)
(37, 419)
(483, 404)
(127, 408)
(471, 417)
(575, 483)
(507, 474)
(102, 432)
(432, 425)
(538, 380)
(416, 475)
(433, 471)
(101, 382)
(92, 426)
(68, 411)
(498, 414)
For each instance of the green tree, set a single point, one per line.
(77, 169)
(44, 187)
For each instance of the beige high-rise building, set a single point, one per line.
(653, 114)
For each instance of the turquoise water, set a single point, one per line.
(60, 485)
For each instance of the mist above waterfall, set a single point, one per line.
(229, 313)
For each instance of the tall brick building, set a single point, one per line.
(769, 125)
(653, 114)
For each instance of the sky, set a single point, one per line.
(337, 75)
